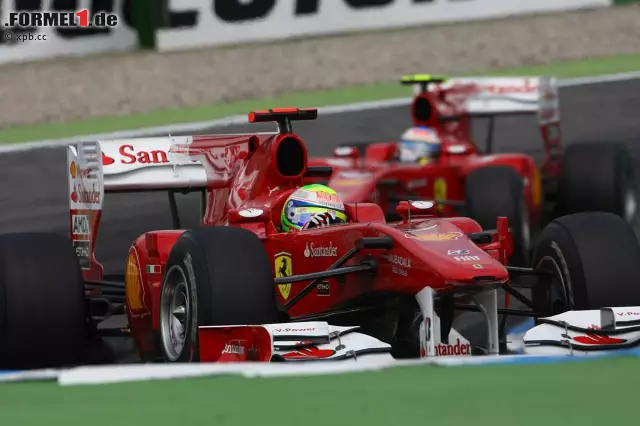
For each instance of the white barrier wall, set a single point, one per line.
(193, 23)
(48, 42)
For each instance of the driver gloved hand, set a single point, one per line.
(321, 220)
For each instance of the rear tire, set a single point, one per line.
(220, 276)
(598, 177)
(498, 191)
(42, 303)
(596, 258)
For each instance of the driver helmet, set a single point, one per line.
(312, 205)
(418, 144)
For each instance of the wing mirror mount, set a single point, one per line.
(416, 208)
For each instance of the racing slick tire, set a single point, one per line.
(594, 258)
(213, 276)
(42, 302)
(598, 177)
(498, 191)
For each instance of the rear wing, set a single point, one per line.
(125, 165)
(142, 164)
(495, 96)
(506, 95)
(149, 164)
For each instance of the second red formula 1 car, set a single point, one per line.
(242, 288)
(464, 180)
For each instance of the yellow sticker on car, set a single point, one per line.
(536, 187)
(440, 191)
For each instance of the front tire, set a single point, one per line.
(595, 257)
(214, 276)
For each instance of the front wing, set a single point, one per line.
(585, 332)
(292, 342)
(571, 333)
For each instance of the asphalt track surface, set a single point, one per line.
(34, 188)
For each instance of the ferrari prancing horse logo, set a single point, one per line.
(283, 268)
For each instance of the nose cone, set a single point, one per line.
(453, 255)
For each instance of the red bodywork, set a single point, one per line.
(260, 171)
(360, 178)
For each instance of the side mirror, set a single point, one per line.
(372, 243)
(458, 149)
(248, 215)
(416, 208)
(350, 152)
(319, 171)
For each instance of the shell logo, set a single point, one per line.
(446, 236)
(132, 282)
(77, 172)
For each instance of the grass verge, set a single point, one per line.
(581, 68)
(562, 393)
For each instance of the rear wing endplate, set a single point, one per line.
(86, 194)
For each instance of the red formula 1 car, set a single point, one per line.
(238, 288)
(463, 180)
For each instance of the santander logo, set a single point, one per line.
(472, 88)
(233, 348)
(311, 250)
(595, 339)
(106, 160)
(128, 155)
(84, 195)
(309, 352)
(458, 349)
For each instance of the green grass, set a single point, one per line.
(594, 392)
(587, 67)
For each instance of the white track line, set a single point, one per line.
(242, 119)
